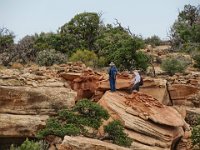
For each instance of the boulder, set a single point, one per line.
(157, 88)
(83, 143)
(28, 97)
(145, 118)
(179, 93)
(29, 100)
(21, 125)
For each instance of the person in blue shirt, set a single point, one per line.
(112, 71)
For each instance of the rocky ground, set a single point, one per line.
(154, 117)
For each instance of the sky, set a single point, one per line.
(143, 17)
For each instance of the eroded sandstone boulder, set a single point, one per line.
(145, 117)
(180, 93)
(21, 125)
(30, 100)
(157, 88)
(29, 96)
(83, 143)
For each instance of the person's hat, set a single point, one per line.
(112, 64)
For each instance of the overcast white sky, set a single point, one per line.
(144, 17)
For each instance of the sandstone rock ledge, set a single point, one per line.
(151, 124)
(83, 143)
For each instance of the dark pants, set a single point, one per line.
(112, 84)
(135, 87)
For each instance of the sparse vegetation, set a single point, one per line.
(185, 31)
(84, 114)
(173, 65)
(153, 41)
(72, 122)
(85, 56)
(116, 133)
(50, 57)
(27, 145)
(196, 135)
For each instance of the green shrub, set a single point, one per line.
(79, 119)
(153, 40)
(72, 122)
(27, 145)
(85, 56)
(142, 60)
(102, 62)
(115, 133)
(197, 61)
(55, 127)
(50, 57)
(90, 109)
(196, 134)
(173, 65)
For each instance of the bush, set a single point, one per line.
(72, 122)
(115, 133)
(197, 61)
(85, 56)
(55, 127)
(153, 40)
(173, 65)
(142, 60)
(90, 109)
(102, 62)
(27, 145)
(196, 135)
(50, 57)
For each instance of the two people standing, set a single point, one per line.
(137, 81)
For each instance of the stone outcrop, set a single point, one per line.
(157, 88)
(21, 125)
(147, 121)
(181, 93)
(34, 101)
(29, 96)
(92, 84)
(183, 88)
(83, 143)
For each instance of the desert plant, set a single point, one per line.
(153, 40)
(90, 109)
(50, 57)
(73, 121)
(185, 29)
(115, 132)
(55, 127)
(196, 134)
(173, 65)
(87, 57)
(142, 60)
(27, 145)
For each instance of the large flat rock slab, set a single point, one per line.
(145, 118)
(83, 143)
(30, 100)
(21, 125)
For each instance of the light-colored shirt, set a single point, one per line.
(137, 78)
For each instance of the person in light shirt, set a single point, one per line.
(136, 82)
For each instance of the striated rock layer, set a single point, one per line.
(28, 97)
(83, 143)
(147, 121)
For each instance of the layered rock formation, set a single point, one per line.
(77, 143)
(151, 124)
(28, 97)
